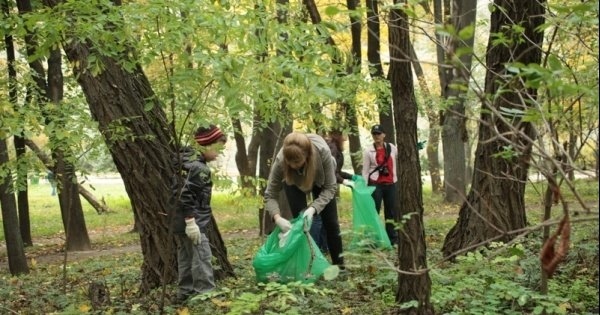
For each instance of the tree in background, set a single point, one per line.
(48, 92)
(456, 72)
(17, 262)
(495, 204)
(414, 284)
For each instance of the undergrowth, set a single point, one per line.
(498, 279)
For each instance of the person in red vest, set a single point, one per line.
(379, 169)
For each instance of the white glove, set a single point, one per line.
(348, 183)
(309, 213)
(192, 231)
(283, 224)
(283, 238)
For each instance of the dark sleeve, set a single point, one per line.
(344, 175)
(200, 185)
(339, 160)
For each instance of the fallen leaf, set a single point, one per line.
(84, 308)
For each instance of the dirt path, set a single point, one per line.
(49, 250)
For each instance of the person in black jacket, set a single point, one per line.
(335, 141)
(192, 190)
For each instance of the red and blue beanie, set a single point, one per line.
(208, 135)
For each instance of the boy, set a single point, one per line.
(192, 191)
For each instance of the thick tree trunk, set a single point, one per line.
(17, 262)
(117, 97)
(495, 205)
(411, 240)
(121, 99)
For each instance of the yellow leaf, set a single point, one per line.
(220, 303)
(33, 263)
(346, 310)
(183, 311)
(564, 307)
(84, 308)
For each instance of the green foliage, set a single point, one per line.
(482, 284)
(492, 281)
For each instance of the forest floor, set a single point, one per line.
(50, 250)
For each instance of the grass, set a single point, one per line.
(368, 289)
(45, 218)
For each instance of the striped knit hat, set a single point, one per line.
(208, 135)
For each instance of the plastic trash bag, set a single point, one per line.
(288, 257)
(367, 228)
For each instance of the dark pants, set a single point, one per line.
(387, 194)
(297, 201)
(318, 233)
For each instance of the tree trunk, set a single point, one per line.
(434, 130)
(354, 67)
(51, 89)
(22, 170)
(270, 145)
(495, 203)
(454, 131)
(77, 238)
(17, 262)
(22, 194)
(246, 167)
(376, 68)
(411, 239)
(76, 235)
(124, 98)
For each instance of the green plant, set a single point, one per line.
(482, 284)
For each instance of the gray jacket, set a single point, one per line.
(324, 177)
(191, 190)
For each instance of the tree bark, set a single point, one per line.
(354, 66)
(411, 240)
(495, 203)
(17, 262)
(124, 99)
(51, 89)
(434, 120)
(376, 68)
(454, 131)
(77, 238)
(270, 145)
(23, 195)
(22, 170)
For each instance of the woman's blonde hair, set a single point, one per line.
(297, 148)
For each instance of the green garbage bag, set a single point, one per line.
(294, 257)
(367, 227)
